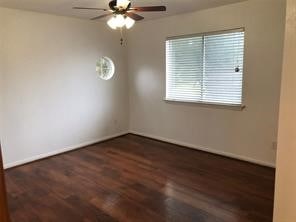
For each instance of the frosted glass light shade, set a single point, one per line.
(129, 22)
(112, 23)
(120, 21)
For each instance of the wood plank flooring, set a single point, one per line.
(135, 179)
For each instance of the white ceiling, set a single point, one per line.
(64, 7)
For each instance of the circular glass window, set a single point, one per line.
(105, 68)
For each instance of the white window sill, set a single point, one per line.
(209, 105)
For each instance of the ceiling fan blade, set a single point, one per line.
(100, 9)
(134, 16)
(101, 16)
(149, 9)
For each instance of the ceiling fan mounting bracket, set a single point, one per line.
(113, 6)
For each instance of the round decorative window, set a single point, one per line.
(105, 68)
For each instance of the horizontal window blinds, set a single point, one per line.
(206, 68)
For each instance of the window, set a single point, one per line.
(105, 68)
(206, 68)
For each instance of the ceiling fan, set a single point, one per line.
(123, 13)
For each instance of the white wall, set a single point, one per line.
(285, 198)
(52, 98)
(247, 134)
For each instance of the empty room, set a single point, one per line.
(147, 111)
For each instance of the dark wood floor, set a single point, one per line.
(137, 179)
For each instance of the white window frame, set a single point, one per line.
(209, 104)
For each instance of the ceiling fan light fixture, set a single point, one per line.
(119, 21)
(112, 23)
(129, 22)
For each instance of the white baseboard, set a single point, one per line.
(67, 149)
(209, 150)
(188, 145)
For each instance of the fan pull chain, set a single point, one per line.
(121, 39)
